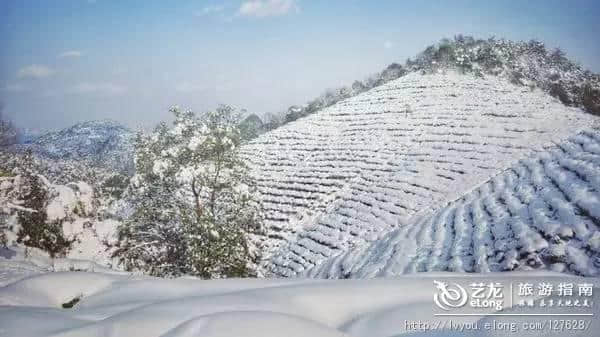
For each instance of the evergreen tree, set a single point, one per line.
(36, 230)
(194, 209)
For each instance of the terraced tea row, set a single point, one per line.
(346, 175)
(544, 212)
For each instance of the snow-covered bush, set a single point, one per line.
(115, 185)
(47, 205)
(3, 228)
(590, 97)
(194, 208)
(36, 228)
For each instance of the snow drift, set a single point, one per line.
(125, 305)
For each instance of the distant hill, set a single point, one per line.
(104, 143)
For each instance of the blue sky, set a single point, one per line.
(67, 61)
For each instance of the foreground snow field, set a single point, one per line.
(127, 305)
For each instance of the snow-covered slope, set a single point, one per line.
(126, 305)
(544, 212)
(103, 143)
(351, 172)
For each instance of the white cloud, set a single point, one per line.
(70, 53)
(13, 87)
(35, 71)
(211, 9)
(102, 88)
(264, 8)
(388, 45)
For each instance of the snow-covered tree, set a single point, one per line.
(251, 127)
(194, 206)
(36, 229)
(8, 133)
(273, 121)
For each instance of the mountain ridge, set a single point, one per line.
(527, 63)
(101, 143)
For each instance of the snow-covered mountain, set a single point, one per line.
(104, 143)
(544, 212)
(348, 174)
(527, 63)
